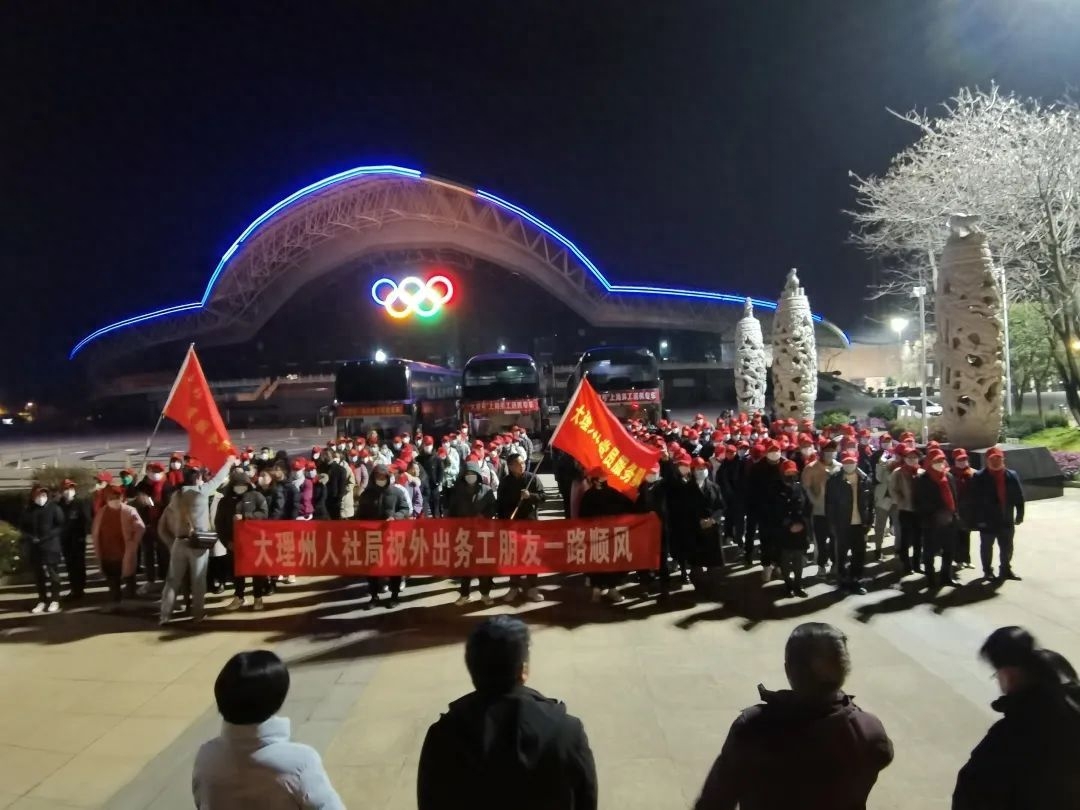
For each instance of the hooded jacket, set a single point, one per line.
(382, 503)
(519, 750)
(796, 752)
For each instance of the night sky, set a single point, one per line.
(699, 143)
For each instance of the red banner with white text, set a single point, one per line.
(447, 547)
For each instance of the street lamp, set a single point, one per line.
(502, 348)
(920, 293)
(898, 324)
(380, 356)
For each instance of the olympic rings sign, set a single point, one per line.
(412, 295)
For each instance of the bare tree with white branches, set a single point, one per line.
(1016, 164)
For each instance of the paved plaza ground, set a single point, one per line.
(108, 710)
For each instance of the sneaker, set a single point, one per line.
(857, 589)
(258, 604)
(596, 594)
(534, 595)
(236, 603)
(512, 595)
(38, 608)
(290, 579)
(799, 592)
(487, 600)
(372, 602)
(393, 603)
(144, 589)
(952, 582)
(766, 573)
(461, 601)
(54, 607)
(163, 620)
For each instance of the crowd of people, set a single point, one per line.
(809, 746)
(779, 493)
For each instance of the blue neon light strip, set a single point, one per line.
(416, 174)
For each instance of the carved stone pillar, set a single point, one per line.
(794, 354)
(750, 364)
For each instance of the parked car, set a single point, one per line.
(915, 403)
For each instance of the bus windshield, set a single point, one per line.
(500, 379)
(621, 370)
(374, 382)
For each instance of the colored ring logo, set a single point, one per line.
(412, 295)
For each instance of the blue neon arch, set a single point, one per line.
(361, 171)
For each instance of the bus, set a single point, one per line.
(499, 391)
(395, 396)
(627, 378)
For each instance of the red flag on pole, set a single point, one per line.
(594, 436)
(192, 406)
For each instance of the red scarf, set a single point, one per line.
(946, 490)
(999, 484)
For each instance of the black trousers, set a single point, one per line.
(911, 540)
(850, 552)
(74, 550)
(824, 541)
(333, 507)
(485, 585)
(750, 527)
(524, 581)
(605, 581)
(939, 540)
(735, 524)
(770, 544)
(435, 500)
(962, 551)
(112, 570)
(155, 557)
(260, 586)
(47, 578)
(1003, 535)
(375, 583)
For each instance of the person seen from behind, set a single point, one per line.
(504, 744)
(809, 747)
(1029, 759)
(253, 765)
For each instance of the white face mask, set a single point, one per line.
(156, 476)
(743, 453)
(962, 463)
(176, 465)
(115, 503)
(864, 441)
(298, 475)
(397, 445)
(99, 485)
(773, 456)
(850, 467)
(381, 482)
(471, 478)
(240, 489)
(912, 462)
(886, 448)
(806, 451)
(939, 466)
(69, 494)
(701, 475)
(41, 500)
(315, 456)
(652, 478)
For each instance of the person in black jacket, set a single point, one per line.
(849, 509)
(434, 468)
(652, 497)
(696, 511)
(336, 479)
(520, 493)
(240, 502)
(77, 524)
(936, 503)
(504, 744)
(791, 503)
(600, 500)
(1028, 760)
(275, 498)
(999, 509)
(732, 477)
(42, 526)
(471, 497)
(382, 501)
(290, 495)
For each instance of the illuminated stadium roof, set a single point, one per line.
(373, 210)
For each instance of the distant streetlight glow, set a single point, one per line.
(380, 356)
(1075, 345)
(663, 345)
(898, 324)
(502, 347)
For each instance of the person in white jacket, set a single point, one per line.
(253, 765)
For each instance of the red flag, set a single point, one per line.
(593, 435)
(192, 406)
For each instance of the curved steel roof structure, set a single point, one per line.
(374, 210)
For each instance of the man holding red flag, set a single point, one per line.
(191, 405)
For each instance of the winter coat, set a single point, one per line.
(965, 496)
(257, 766)
(177, 521)
(793, 507)
(290, 500)
(132, 529)
(882, 498)
(382, 503)
(509, 497)
(478, 501)
(77, 518)
(688, 504)
(838, 504)
(336, 478)
(761, 479)
(796, 752)
(275, 501)
(930, 505)
(1028, 759)
(902, 488)
(604, 501)
(319, 507)
(732, 477)
(814, 479)
(990, 512)
(305, 505)
(348, 500)
(42, 527)
(519, 750)
(249, 506)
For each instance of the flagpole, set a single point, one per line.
(165, 407)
